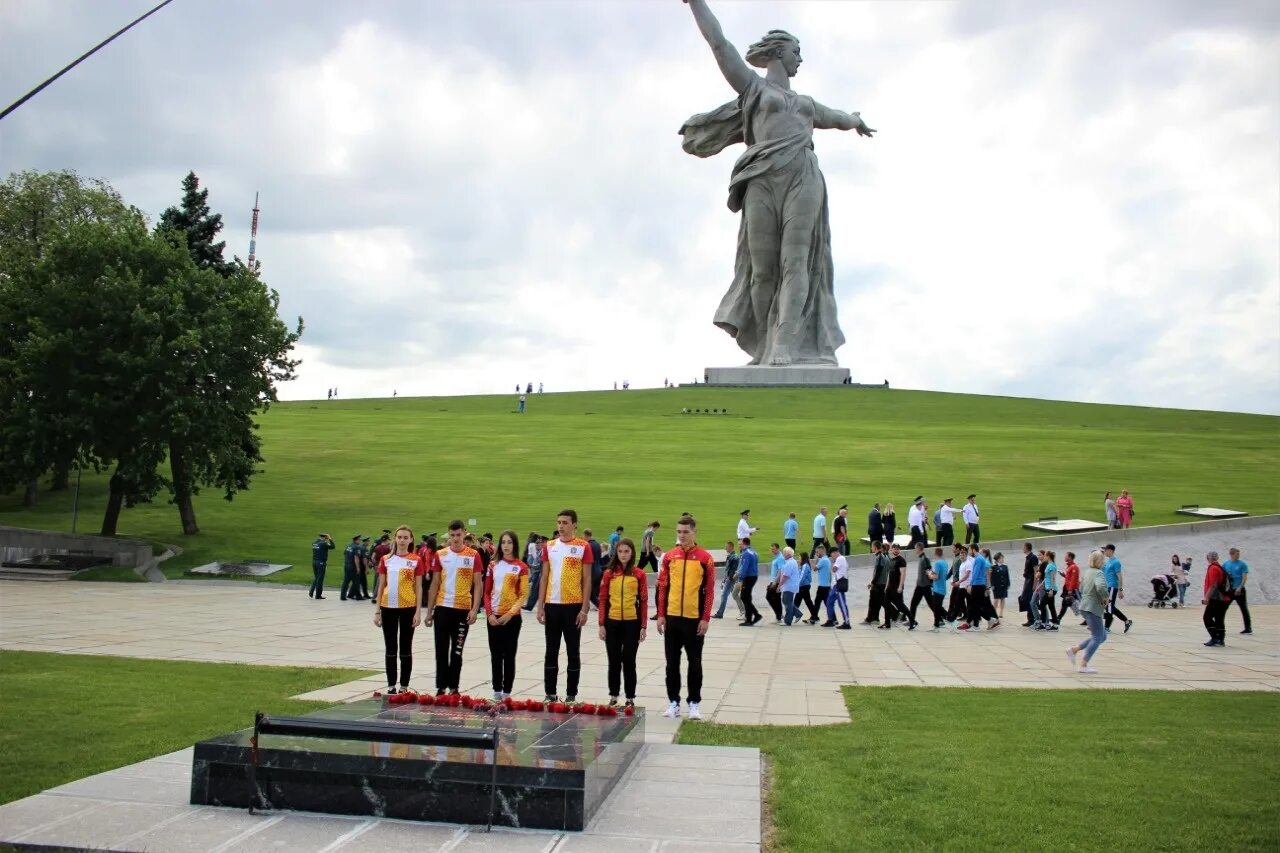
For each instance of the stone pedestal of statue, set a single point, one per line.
(807, 375)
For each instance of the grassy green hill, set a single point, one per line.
(628, 457)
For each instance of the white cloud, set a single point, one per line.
(1073, 200)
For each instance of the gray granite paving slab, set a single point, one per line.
(102, 827)
(125, 787)
(500, 840)
(593, 844)
(23, 816)
(707, 847)
(387, 835)
(640, 788)
(304, 833)
(202, 830)
(692, 827)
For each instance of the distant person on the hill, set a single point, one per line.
(624, 607)
(1239, 571)
(875, 526)
(840, 528)
(319, 560)
(820, 528)
(529, 388)
(1114, 574)
(790, 530)
(1216, 600)
(686, 592)
(455, 596)
(1093, 603)
(648, 550)
(889, 519)
(520, 410)
(539, 387)
(748, 575)
(1109, 506)
(879, 579)
(772, 593)
(351, 558)
(505, 589)
(744, 525)
(730, 578)
(398, 596)
(614, 538)
(564, 601)
(972, 534)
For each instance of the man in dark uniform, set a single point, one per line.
(352, 555)
(319, 560)
(362, 569)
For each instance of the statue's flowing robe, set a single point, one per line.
(710, 133)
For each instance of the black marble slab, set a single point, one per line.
(554, 770)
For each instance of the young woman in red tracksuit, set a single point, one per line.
(623, 608)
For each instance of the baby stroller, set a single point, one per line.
(1164, 592)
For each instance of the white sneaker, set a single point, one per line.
(673, 711)
(694, 713)
(1071, 656)
(1087, 670)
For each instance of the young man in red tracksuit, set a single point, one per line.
(686, 592)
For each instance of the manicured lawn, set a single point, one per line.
(941, 768)
(69, 716)
(357, 466)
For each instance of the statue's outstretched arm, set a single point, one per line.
(826, 118)
(732, 65)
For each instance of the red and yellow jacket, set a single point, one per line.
(686, 584)
(624, 595)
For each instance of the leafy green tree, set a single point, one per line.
(193, 219)
(233, 352)
(36, 210)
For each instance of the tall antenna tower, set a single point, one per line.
(253, 236)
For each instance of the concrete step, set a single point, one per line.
(10, 573)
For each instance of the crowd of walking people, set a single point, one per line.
(561, 579)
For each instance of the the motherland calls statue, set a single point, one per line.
(781, 306)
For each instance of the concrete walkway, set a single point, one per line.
(145, 807)
(769, 674)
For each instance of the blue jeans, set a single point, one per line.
(726, 590)
(1097, 635)
(837, 599)
(317, 582)
(1182, 593)
(789, 609)
(535, 575)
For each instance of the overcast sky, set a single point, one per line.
(1075, 200)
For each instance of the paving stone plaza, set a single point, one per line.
(772, 675)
